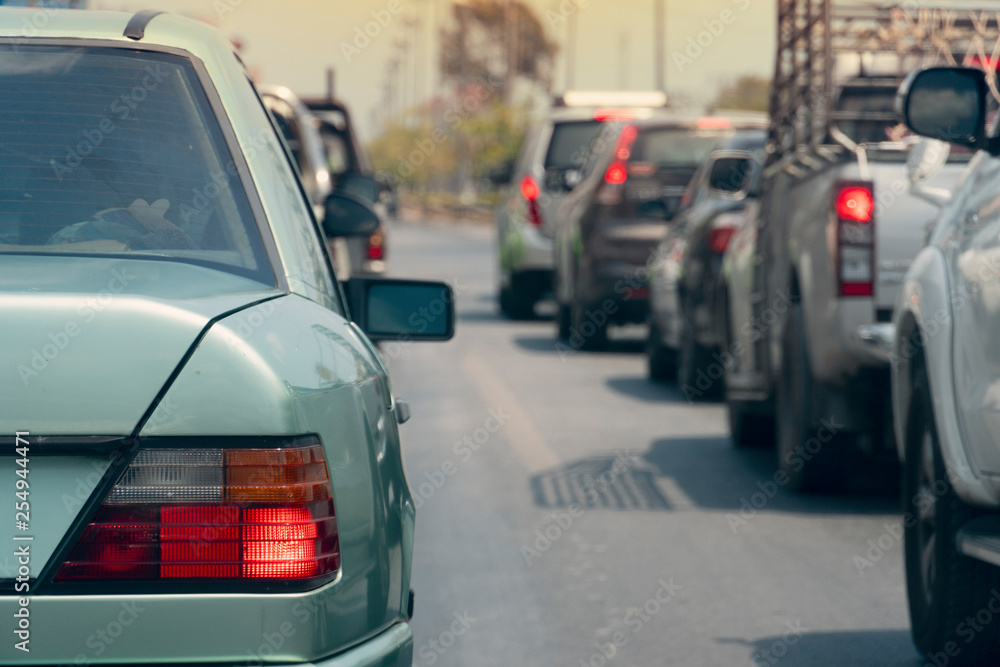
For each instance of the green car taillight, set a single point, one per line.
(234, 514)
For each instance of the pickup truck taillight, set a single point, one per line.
(219, 514)
(854, 213)
(723, 228)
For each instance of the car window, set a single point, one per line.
(107, 151)
(676, 147)
(570, 144)
(338, 158)
(867, 115)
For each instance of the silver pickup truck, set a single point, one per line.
(815, 276)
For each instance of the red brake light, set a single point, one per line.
(718, 238)
(854, 221)
(213, 514)
(616, 174)
(714, 123)
(614, 115)
(529, 188)
(855, 203)
(530, 191)
(375, 247)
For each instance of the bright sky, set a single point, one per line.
(292, 42)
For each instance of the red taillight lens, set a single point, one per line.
(855, 203)
(854, 209)
(616, 174)
(213, 514)
(376, 247)
(718, 238)
(529, 188)
(530, 191)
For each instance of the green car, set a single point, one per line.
(200, 453)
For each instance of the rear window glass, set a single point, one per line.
(676, 147)
(113, 152)
(868, 115)
(570, 144)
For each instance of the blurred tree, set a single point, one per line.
(748, 93)
(496, 41)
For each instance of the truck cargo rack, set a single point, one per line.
(821, 43)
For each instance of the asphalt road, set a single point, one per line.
(572, 513)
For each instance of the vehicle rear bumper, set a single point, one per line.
(621, 284)
(844, 340)
(392, 648)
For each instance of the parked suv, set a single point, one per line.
(945, 361)
(610, 225)
(550, 160)
(687, 299)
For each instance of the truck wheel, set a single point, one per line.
(944, 588)
(812, 457)
(563, 321)
(662, 361)
(691, 359)
(587, 331)
(516, 304)
(747, 428)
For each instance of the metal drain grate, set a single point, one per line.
(598, 482)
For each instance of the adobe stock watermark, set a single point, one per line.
(364, 34)
(967, 630)
(714, 29)
(422, 319)
(779, 649)
(56, 342)
(636, 618)
(768, 489)
(460, 111)
(893, 532)
(753, 330)
(464, 449)
(430, 652)
(103, 637)
(122, 108)
(565, 9)
(559, 523)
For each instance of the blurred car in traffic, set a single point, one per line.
(551, 157)
(610, 225)
(945, 362)
(687, 301)
(350, 171)
(298, 128)
(206, 454)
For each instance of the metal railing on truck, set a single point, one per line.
(823, 43)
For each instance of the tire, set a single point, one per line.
(748, 429)
(515, 304)
(691, 359)
(661, 361)
(943, 587)
(812, 464)
(563, 322)
(592, 335)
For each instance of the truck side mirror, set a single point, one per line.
(947, 103)
(347, 215)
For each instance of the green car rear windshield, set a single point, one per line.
(107, 151)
